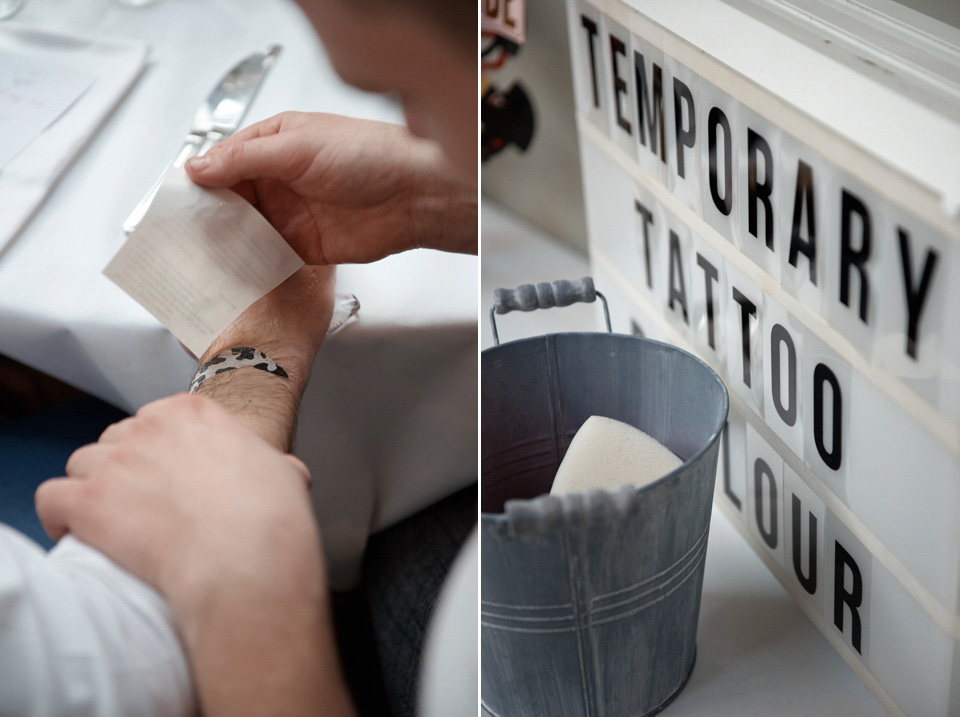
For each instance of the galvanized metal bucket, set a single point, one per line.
(590, 602)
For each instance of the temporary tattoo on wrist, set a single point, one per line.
(231, 360)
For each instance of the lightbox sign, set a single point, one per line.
(831, 312)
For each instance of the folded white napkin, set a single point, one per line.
(26, 180)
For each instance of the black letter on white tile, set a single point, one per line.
(678, 290)
(852, 598)
(619, 84)
(851, 258)
(916, 296)
(686, 136)
(716, 119)
(760, 192)
(650, 106)
(727, 488)
(779, 335)
(747, 309)
(809, 582)
(804, 196)
(591, 27)
(647, 221)
(710, 275)
(834, 457)
(763, 471)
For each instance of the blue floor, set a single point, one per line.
(37, 447)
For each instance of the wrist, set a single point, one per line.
(293, 357)
(265, 403)
(294, 599)
(280, 564)
(262, 639)
(289, 324)
(444, 212)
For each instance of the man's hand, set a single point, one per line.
(190, 499)
(138, 492)
(343, 190)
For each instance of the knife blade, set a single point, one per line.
(218, 116)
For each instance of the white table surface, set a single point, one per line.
(757, 653)
(390, 416)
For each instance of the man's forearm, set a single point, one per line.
(266, 403)
(288, 325)
(443, 213)
(270, 654)
(265, 644)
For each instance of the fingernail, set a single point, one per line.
(198, 164)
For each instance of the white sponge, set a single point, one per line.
(608, 454)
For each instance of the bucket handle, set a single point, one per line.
(529, 297)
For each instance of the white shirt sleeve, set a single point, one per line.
(448, 671)
(81, 636)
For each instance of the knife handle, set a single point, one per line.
(211, 138)
(192, 146)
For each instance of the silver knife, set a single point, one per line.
(218, 117)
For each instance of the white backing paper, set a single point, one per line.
(199, 258)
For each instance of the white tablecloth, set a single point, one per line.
(390, 416)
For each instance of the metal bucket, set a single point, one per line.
(590, 602)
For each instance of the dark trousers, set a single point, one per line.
(36, 447)
(382, 623)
